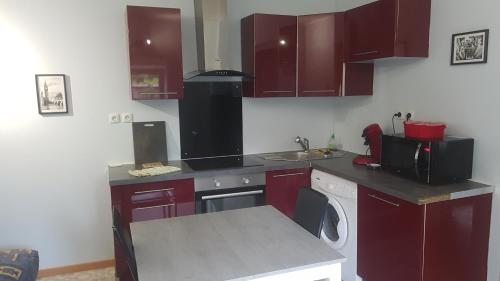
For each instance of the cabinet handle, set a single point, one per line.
(158, 206)
(274, 92)
(167, 93)
(365, 53)
(320, 91)
(383, 200)
(152, 191)
(288, 175)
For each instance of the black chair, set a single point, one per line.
(310, 210)
(122, 235)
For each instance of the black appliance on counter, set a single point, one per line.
(150, 143)
(429, 161)
(211, 131)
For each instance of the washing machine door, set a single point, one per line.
(335, 228)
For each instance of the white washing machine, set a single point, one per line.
(340, 226)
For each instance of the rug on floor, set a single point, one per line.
(105, 274)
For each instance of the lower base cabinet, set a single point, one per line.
(139, 202)
(398, 240)
(282, 188)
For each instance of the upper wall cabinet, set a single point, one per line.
(320, 41)
(388, 28)
(291, 56)
(269, 53)
(155, 50)
(321, 68)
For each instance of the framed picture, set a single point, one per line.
(51, 93)
(470, 47)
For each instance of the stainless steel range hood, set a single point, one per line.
(212, 42)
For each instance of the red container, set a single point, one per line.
(424, 130)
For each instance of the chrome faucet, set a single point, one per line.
(303, 142)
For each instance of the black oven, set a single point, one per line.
(429, 161)
(222, 193)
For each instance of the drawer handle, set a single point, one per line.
(383, 200)
(365, 53)
(288, 175)
(153, 207)
(152, 191)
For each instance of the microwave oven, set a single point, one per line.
(430, 161)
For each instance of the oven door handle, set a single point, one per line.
(229, 195)
(417, 156)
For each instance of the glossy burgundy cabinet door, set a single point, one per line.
(457, 238)
(155, 51)
(161, 200)
(139, 202)
(446, 240)
(388, 28)
(269, 54)
(390, 237)
(282, 188)
(320, 49)
(358, 79)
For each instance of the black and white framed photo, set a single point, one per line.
(470, 47)
(51, 93)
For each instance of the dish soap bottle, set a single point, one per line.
(331, 143)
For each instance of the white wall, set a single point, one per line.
(465, 97)
(53, 179)
(53, 184)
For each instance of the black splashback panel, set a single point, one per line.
(211, 119)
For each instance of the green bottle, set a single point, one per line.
(331, 143)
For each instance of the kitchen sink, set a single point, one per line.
(295, 156)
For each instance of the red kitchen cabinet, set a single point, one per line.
(321, 68)
(139, 202)
(320, 62)
(358, 79)
(148, 201)
(390, 237)
(388, 28)
(282, 188)
(446, 240)
(155, 51)
(269, 54)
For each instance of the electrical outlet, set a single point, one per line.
(127, 117)
(396, 113)
(114, 118)
(410, 113)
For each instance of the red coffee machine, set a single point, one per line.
(373, 138)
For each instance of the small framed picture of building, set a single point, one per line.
(470, 47)
(51, 93)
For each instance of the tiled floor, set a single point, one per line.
(106, 274)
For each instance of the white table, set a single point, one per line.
(246, 244)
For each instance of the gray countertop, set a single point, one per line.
(382, 181)
(379, 180)
(239, 244)
(120, 176)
